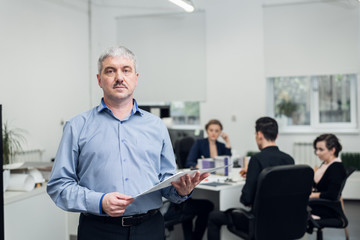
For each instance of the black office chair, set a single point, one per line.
(336, 206)
(280, 208)
(182, 149)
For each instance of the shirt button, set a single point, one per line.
(126, 179)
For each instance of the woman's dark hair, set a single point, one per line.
(213, 121)
(331, 141)
(268, 126)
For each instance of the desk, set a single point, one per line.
(33, 215)
(223, 196)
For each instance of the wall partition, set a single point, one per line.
(171, 55)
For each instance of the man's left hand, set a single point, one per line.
(187, 184)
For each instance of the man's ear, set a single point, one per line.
(99, 80)
(137, 77)
(260, 135)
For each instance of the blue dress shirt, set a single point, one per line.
(100, 153)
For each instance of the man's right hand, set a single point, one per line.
(243, 172)
(114, 204)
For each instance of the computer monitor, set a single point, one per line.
(177, 133)
(162, 111)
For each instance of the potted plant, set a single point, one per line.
(12, 142)
(287, 108)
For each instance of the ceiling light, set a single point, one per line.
(185, 4)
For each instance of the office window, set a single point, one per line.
(335, 99)
(314, 102)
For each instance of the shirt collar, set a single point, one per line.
(102, 106)
(270, 148)
(136, 108)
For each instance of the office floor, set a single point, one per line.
(352, 211)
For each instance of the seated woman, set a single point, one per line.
(209, 147)
(331, 173)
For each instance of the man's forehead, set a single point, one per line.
(118, 60)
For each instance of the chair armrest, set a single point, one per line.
(331, 205)
(232, 215)
(247, 213)
(334, 205)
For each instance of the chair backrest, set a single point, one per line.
(182, 149)
(280, 206)
(348, 171)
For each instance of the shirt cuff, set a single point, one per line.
(100, 204)
(184, 197)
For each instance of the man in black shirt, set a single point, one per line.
(266, 132)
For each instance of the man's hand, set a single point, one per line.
(114, 204)
(243, 172)
(187, 184)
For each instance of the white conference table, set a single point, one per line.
(224, 195)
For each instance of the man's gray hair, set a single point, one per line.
(118, 51)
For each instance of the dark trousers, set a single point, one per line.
(201, 209)
(219, 218)
(95, 229)
(198, 208)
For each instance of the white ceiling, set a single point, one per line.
(130, 4)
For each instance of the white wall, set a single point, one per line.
(171, 55)
(311, 38)
(46, 77)
(44, 67)
(292, 48)
(235, 70)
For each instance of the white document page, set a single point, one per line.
(176, 178)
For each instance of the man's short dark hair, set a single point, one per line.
(268, 126)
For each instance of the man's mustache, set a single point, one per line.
(118, 83)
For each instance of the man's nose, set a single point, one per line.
(119, 76)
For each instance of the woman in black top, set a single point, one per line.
(331, 173)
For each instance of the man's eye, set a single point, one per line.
(109, 71)
(127, 70)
